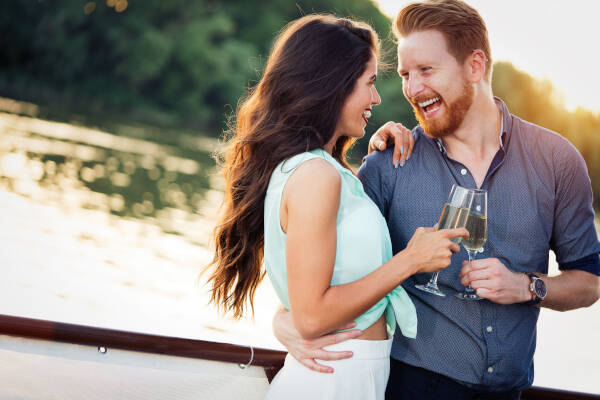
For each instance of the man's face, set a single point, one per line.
(433, 82)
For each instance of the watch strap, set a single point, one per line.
(536, 299)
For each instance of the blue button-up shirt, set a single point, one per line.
(539, 199)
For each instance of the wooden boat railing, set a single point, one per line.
(270, 360)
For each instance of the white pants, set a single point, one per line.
(364, 376)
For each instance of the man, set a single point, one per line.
(539, 199)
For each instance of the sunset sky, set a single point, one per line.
(556, 40)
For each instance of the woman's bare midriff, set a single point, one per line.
(377, 331)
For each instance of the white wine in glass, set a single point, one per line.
(477, 227)
(454, 215)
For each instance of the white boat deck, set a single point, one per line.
(38, 369)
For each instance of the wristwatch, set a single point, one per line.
(537, 288)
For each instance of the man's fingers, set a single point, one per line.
(312, 364)
(464, 280)
(476, 275)
(349, 325)
(486, 284)
(486, 293)
(466, 268)
(477, 280)
(336, 338)
(332, 355)
(479, 264)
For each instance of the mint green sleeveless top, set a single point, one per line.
(363, 244)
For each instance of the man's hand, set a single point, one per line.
(393, 134)
(307, 351)
(493, 281)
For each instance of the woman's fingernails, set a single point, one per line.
(380, 146)
(408, 158)
(402, 163)
(395, 164)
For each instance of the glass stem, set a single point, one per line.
(471, 258)
(434, 279)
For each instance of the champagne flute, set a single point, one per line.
(454, 215)
(477, 227)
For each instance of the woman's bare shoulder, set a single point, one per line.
(315, 180)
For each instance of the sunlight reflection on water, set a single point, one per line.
(113, 231)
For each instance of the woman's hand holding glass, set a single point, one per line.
(454, 215)
(430, 250)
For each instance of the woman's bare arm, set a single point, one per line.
(310, 203)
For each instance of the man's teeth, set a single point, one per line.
(367, 114)
(428, 102)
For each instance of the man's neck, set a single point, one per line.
(479, 134)
(477, 140)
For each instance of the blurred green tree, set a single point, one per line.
(185, 64)
(176, 63)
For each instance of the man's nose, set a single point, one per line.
(414, 86)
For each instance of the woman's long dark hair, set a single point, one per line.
(312, 69)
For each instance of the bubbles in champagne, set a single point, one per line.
(477, 227)
(453, 217)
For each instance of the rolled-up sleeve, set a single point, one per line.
(574, 238)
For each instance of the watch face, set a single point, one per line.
(540, 288)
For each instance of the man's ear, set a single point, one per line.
(476, 65)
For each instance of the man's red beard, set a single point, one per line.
(454, 114)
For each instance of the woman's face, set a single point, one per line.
(358, 106)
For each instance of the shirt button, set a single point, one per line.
(463, 171)
(489, 329)
(491, 369)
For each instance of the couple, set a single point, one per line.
(327, 239)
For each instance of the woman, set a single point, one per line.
(292, 198)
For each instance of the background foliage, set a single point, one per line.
(185, 64)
